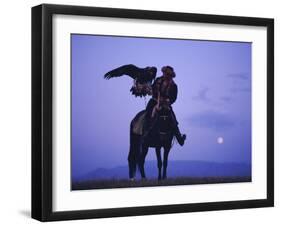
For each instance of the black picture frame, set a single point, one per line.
(42, 106)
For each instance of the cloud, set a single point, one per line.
(202, 95)
(211, 120)
(240, 76)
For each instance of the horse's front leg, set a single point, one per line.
(165, 162)
(159, 162)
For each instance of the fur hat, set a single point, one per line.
(169, 70)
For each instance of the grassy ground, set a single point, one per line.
(125, 183)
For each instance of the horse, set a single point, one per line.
(160, 136)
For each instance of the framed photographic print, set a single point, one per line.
(139, 112)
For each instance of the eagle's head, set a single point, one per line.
(151, 72)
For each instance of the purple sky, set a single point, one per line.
(214, 98)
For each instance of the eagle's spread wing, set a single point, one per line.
(131, 70)
(143, 78)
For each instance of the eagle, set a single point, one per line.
(143, 78)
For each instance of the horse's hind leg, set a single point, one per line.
(133, 155)
(132, 164)
(165, 162)
(159, 162)
(141, 161)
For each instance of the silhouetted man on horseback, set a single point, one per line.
(157, 124)
(164, 94)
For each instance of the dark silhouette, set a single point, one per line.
(164, 94)
(157, 124)
(160, 136)
(143, 78)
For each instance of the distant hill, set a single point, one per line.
(175, 169)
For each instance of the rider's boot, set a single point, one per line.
(180, 137)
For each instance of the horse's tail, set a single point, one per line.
(134, 150)
(132, 161)
(133, 137)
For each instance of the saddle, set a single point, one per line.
(141, 126)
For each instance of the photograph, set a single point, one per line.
(150, 111)
(141, 112)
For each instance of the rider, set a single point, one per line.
(164, 92)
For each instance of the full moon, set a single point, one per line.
(220, 140)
